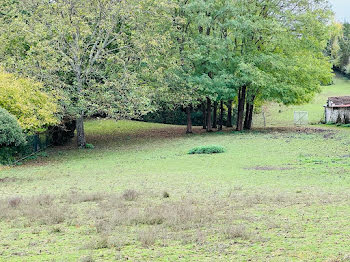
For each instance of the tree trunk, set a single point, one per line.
(247, 110)
(209, 128)
(221, 119)
(215, 114)
(80, 132)
(204, 116)
(189, 120)
(263, 114)
(240, 111)
(249, 116)
(229, 114)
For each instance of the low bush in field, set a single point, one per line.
(212, 149)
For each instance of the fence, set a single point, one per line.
(38, 142)
(35, 143)
(301, 118)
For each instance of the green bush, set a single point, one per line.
(89, 146)
(11, 133)
(11, 137)
(7, 155)
(212, 149)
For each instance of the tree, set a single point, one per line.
(88, 50)
(26, 99)
(279, 52)
(125, 58)
(344, 49)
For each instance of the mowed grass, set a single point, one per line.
(276, 194)
(279, 115)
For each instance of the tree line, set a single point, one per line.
(124, 59)
(338, 48)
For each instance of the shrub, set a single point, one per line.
(7, 155)
(11, 137)
(10, 132)
(213, 149)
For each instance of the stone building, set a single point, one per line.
(337, 110)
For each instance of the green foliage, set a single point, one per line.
(89, 146)
(338, 48)
(91, 53)
(175, 116)
(7, 155)
(275, 49)
(128, 58)
(11, 133)
(210, 149)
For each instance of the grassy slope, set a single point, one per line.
(277, 115)
(271, 196)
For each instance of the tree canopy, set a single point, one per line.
(127, 58)
(27, 100)
(339, 47)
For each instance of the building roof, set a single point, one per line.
(339, 101)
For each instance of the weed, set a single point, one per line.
(130, 195)
(14, 201)
(56, 229)
(147, 237)
(97, 243)
(87, 259)
(236, 231)
(166, 194)
(75, 197)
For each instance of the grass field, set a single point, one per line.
(275, 194)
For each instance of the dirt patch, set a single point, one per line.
(269, 168)
(329, 135)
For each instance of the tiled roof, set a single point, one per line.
(339, 101)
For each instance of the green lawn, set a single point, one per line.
(273, 195)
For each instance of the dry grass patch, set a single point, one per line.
(87, 259)
(76, 197)
(114, 221)
(7, 179)
(99, 242)
(130, 195)
(236, 231)
(148, 237)
(41, 209)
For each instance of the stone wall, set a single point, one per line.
(339, 115)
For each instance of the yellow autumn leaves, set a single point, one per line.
(25, 99)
